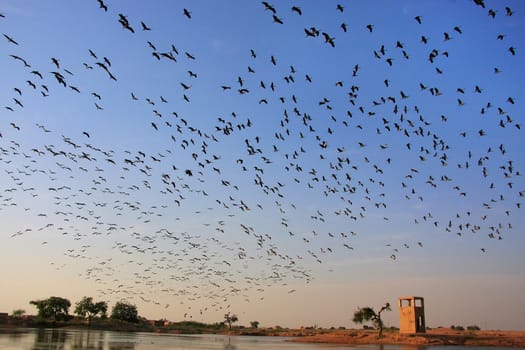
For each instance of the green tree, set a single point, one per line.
(18, 313)
(55, 308)
(254, 324)
(368, 314)
(229, 319)
(125, 311)
(88, 309)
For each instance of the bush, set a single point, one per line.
(473, 328)
(193, 327)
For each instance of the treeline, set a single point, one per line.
(55, 312)
(56, 309)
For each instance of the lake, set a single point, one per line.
(60, 339)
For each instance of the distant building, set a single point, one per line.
(160, 323)
(411, 315)
(4, 317)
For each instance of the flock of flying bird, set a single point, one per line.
(121, 209)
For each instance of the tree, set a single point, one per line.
(56, 308)
(125, 311)
(86, 308)
(229, 319)
(368, 314)
(18, 313)
(254, 324)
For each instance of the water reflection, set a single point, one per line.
(16, 336)
(414, 347)
(59, 339)
(46, 339)
(92, 340)
(121, 341)
(229, 345)
(121, 346)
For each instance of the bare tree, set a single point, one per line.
(229, 319)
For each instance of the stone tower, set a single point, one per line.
(411, 315)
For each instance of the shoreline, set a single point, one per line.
(441, 336)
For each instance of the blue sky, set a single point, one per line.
(236, 164)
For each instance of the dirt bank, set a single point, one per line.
(441, 336)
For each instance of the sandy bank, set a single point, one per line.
(442, 336)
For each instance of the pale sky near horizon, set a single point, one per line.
(286, 161)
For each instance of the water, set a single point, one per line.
(59, 339)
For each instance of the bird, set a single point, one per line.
(10, 40)
(102, 5)
(18, 103)
(297, 10)
(311, 32)
(125, 23)
(269, 7)
(480, 3)
(144, 26)
(20, 59)
(277, 19)
(328, 39)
